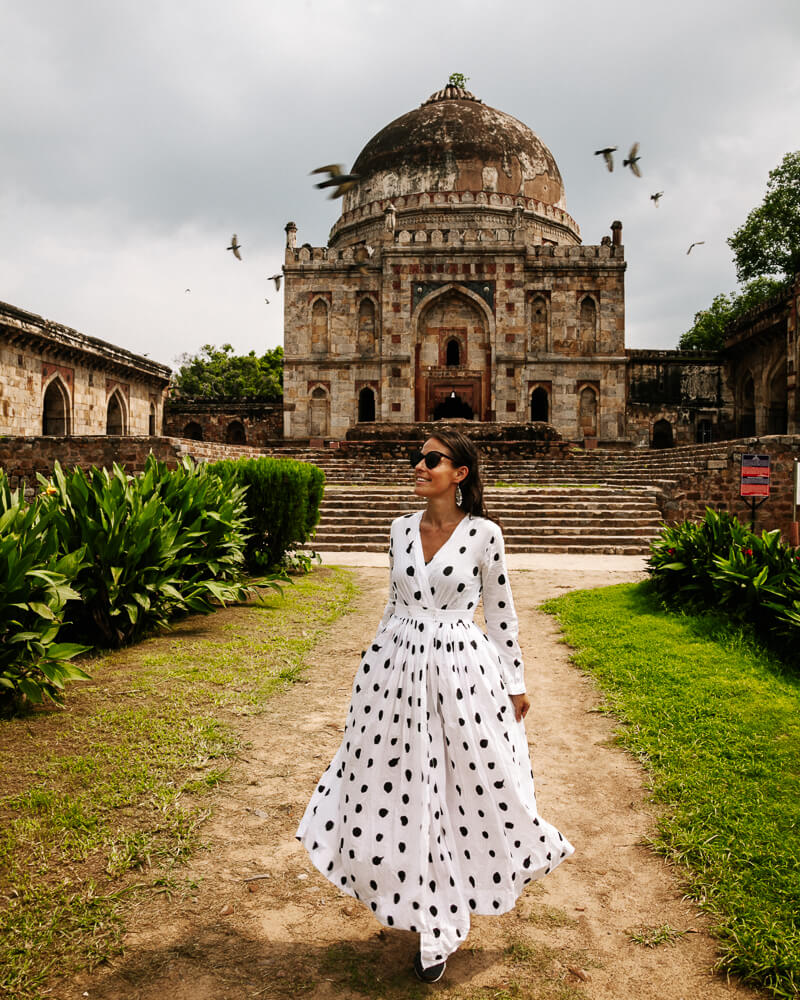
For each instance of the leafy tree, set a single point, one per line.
(218, 373)
(769, 240)
(458, 80)
(710, 326)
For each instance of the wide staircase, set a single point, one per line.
(583, 501)
(602, 502)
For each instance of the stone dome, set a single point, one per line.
(455, 149)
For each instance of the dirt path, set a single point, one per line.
(292, 934)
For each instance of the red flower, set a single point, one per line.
(748, 552)
(672, 552)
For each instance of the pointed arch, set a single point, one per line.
(540, 405)
(366, 326)
(151, 420)
(540, 324)
(320, 338)
(116, 414)
(193, 431)
(587, 410)
(747, 405)
(56, 408)
(235, 433)
(366, 405)
(587, 325)
(453, 353)
(319, 412)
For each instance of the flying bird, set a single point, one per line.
(186, 290)
(338, 179)
(267, 301)
(277, 279)
(697, 244)
(235, 246)
(606, 154)
(654, 197)
(633, 159)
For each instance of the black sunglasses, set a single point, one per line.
(430, 458)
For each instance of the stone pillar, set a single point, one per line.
(616, 233)
(291, 235)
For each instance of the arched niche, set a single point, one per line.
(453, 353)
(777, 400)
(319, 413)
(587, 325)
(235, 433)
(366, 326)
(56, 409)
(540, 324)
(587, 411)
(151, 420)
(320, 341)
(116, 414)
(193, 431)
(747, 406)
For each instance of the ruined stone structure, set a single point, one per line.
(240, 422)
(56, 381)
(455, 284)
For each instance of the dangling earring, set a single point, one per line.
(459, 496)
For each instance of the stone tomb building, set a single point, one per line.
(56, 381)
(455, 284)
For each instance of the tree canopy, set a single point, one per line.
(218, 373)
(710, 325)
(769, 240)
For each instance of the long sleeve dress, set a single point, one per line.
(427, 813)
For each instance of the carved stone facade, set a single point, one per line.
(454, 284)
(55, 381)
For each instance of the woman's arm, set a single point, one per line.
(500, 614)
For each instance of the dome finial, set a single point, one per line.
(454, 91)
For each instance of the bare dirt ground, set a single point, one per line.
(289, 933)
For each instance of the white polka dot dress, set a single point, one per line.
(427, 813)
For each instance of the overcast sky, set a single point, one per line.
(138, 135)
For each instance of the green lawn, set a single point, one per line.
(716, 721)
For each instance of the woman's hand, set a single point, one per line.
(521, 703)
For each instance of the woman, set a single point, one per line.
(427, 813)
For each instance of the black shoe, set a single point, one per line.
(430, 975)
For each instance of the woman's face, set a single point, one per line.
(443, 477)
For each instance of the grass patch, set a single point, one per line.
(103, 801)
(715, 720)
(653, 936)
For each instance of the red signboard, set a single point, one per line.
(755, 476)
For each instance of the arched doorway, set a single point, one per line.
(55, 409)
(115, 414)
(193, 431)
(662, 435)
(319, 413)
(540, 405)
(453, 355)
(235, 433)
(366, 405)
(451, 407)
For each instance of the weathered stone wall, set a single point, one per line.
(22, 458)
(41, 360)
(717, 486)
(231, 422)
(687, 389)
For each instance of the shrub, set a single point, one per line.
(34, 588)
(157, 544)
(283, 498)
(719, 563)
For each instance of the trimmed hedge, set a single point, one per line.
(283, 498)
(718, 563)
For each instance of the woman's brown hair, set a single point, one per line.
(464, 452)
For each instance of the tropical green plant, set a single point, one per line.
(156, 544)
(35, 586)
(719, 563)
(283, 498)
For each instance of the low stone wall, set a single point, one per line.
(239, 422)
(717, 485)
(22, 458)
